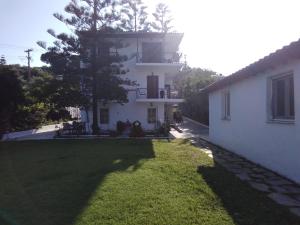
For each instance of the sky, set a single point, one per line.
(223, 36)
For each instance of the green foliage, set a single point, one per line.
(189, 84)
(29, 116)
(2, 60)
(27, 104)
(58, 114)
(134, 16)
(90, 22)
(11, 95)
(162, 19)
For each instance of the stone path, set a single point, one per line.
(191, 130)
(276, 187)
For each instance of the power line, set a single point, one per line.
(19, 46)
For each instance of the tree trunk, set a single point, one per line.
(95, 126)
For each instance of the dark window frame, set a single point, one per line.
(104, 115)
(152, 115)
(282, 97)
(226, 105)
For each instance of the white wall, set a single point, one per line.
(132, 111)
(249, 133)
(135, 110)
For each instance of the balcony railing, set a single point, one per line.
(160, 93)
(166, 57)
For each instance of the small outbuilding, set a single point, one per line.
(255, 112)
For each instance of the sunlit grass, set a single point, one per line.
(124, 182)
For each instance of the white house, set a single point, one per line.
(152, 100)
(255, 112)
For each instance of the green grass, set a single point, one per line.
(124, 182)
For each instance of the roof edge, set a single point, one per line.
(279, 57)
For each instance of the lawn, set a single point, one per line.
(64, 182)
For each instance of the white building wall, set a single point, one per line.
(132, 111)
(135, 110)
(249, 133)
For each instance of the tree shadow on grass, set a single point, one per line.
(245, 205)
(51, 182)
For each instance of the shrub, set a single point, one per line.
(137, 130)
(29, 117)
(164, 130)
(113, 133)
(121, 126)
(58, 114)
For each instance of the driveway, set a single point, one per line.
(43, 133)
(192, 130)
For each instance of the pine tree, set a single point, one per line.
(2, 60)
(134, 16)
(162, 19)
(91, 22)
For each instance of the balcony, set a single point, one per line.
(164, 95)
(169, 61)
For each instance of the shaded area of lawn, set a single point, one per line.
(244, 204)
(80, 182)
(51, 182)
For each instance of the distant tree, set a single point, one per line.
(189, 84)
(11, 95)
(91, 21)
(134, 16)
(162, 18)
(2, 60)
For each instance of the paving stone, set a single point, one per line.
(292, 189)
(277, 182)
(270, 175)
(246, 170)
(257, 170)
(219, 160)
(236, 159)
(280, 189)
(295, 211)
(259, 180)
(297, 197)
(255, 175)
(284, 199)
(259, 186)
(247, 165)
(243, 176)
(235, 170)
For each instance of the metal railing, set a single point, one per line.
(160, 93)
(165, 57)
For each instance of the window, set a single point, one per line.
(152, 52)
(152, 115)
(104, 116)
(282, 97)
(226, 105)
(103, 50)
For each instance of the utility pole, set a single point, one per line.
(28, 61)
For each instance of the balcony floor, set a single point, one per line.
(162, 100)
